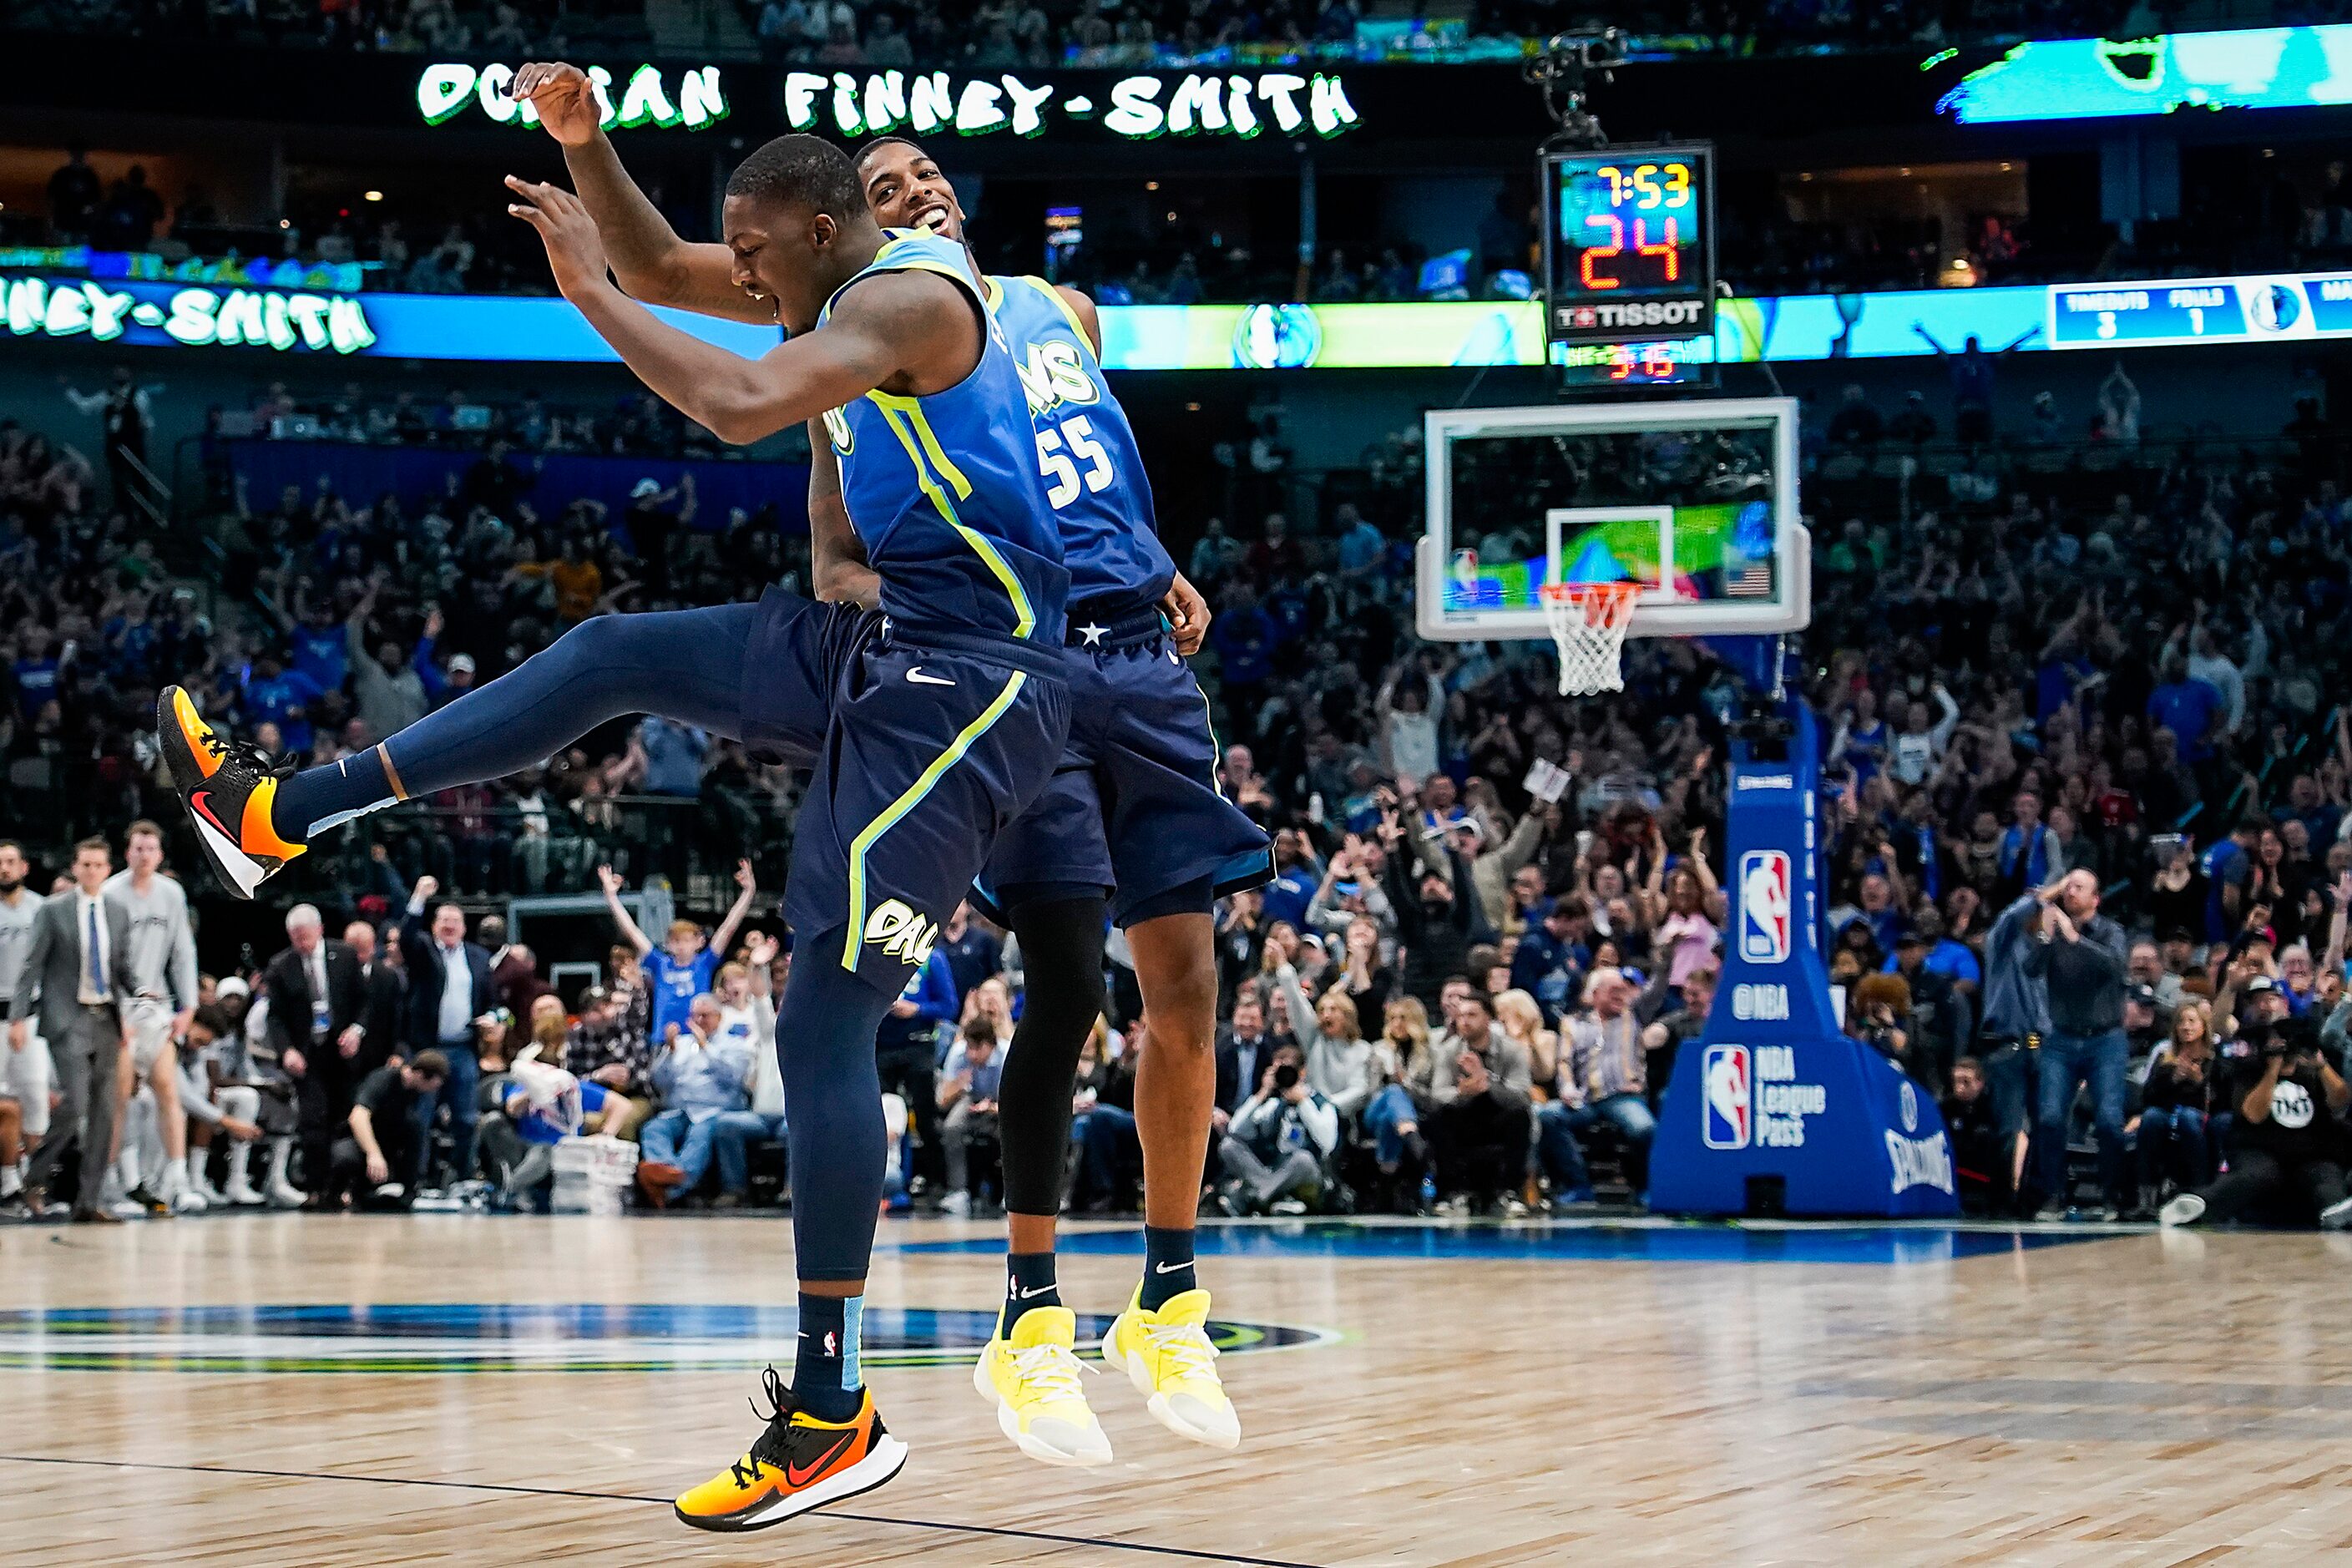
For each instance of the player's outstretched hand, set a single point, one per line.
(1188, 615)
(564, 98)
(574, 250)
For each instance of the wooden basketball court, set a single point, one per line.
(318, 1391)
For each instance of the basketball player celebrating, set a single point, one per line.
(1136, 809)
(1141, 756)
(947, 709)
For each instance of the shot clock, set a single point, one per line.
(1628, 243)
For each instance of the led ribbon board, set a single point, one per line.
(1141, 108)
(2103, 78)
(692, 100)
(1240, 105)
(1428, 335)
(158, 315)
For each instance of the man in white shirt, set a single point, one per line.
(159, 969)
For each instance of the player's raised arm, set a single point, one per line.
(649, 260)
(838, 571)
(913, 331)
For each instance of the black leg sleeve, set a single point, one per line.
(1062, 951)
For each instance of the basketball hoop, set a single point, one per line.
(1589, 621)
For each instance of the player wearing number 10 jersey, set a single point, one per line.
(1133, 825)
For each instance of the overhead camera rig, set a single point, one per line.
(1568, 66)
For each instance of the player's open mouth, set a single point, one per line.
(933, 219)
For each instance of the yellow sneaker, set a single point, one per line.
(799, 1463)
(1170, 1359)
(1034, 1379)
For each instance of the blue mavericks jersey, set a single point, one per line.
(943, 490)
(1094, 474)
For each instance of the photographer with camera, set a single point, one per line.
(2079, 954)
(2286, 1138)
(1278, 1148)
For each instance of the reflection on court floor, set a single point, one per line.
(1595, 1241)
(467, 1337)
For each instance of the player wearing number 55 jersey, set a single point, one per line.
(1133, 821)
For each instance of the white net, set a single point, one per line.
(1589, 621)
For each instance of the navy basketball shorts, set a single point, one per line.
(1134, 805)
(936, 743)
(792, 663)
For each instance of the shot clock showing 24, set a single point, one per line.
(1630, 243)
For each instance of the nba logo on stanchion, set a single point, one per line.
(1764, 918)
(1725, 1076)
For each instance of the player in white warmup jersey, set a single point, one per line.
(162, 973)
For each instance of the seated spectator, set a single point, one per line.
(1479, 1092)
(1405, 1063)
(1338, 1059)
(907, 1050)
(967, 1100)
(2288, 1145)
(383, 1160)
(1110, 1149)
(1878, 1013)
(1277, 1153)
(521, 1125)
(1662, 1040)
(2174, 1142)
(600, 1047)
(700, 1076)
(747, 1004)
(1604, 1078)
(1979, 1153)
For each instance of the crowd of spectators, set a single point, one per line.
(2297, 214)
(511, 434)
(502, 29)
(2077, 701)
(1107, 33)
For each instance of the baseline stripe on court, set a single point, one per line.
(949, 1527)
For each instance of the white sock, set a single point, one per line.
(281, 1154)
(240, 1161)
(192, 1170)
(10, 1181)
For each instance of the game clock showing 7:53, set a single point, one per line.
(1628, 243)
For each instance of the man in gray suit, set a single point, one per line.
(78, 939)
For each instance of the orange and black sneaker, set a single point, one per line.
(798, 1464)
(228, 787)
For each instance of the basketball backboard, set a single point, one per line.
(1696, 500)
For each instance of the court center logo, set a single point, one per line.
(1764, 913)
(1729, 1101)
(408, 1338)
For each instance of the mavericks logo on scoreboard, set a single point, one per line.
(1765, 919)
(1729, 1107)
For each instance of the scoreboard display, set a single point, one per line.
(1629, 243)
(1630, 366)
